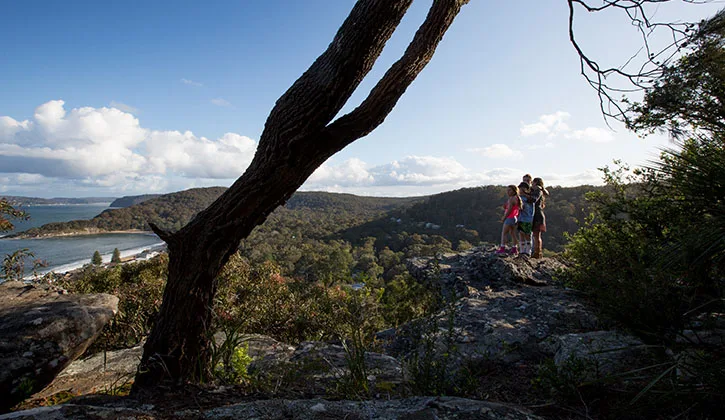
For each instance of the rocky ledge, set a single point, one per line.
(42, 330)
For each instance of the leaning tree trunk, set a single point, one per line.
(298, 137)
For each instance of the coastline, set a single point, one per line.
(86, 232)
(127, 256)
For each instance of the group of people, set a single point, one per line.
(523, 217)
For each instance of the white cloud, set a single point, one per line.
(592, 134)
(411, 173)
(194, 157)
(553, 125)
(550, 124)
(498, 151)
(221, 102)
(123, 107)
(588, 177)
(547, 145)
(352, 172)
(191, 83)
(108, 147)
(420, 170)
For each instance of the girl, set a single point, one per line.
(526, 218)
(538, 195)
(510, 214)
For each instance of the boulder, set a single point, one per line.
(508, 308)
(42, 330)
(102, 372)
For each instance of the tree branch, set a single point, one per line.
(653, 64)
(319, 94)
(383, 97)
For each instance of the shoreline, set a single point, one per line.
(21, 235)
(127, 256)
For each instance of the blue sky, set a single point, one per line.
(121, 98)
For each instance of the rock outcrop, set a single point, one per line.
(319, 367)
(417, 408)
(42, 330)
(512, 312)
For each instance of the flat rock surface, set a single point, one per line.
(416, 408)
(42, 330)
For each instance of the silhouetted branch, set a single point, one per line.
(654, 63)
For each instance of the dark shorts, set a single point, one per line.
(539, 222)
(525, 228)
(510, 221)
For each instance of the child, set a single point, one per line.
(526, 218)
(527, 179)
(510, 214)
(538, 195)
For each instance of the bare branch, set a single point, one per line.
(653, 63)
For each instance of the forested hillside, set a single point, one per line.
(131, 200)
(449, 220)
(473, 215)
(170, 211)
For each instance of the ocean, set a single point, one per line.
(71, 252)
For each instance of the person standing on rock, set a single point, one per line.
(510, 218)
(526, 219)
(538, 196)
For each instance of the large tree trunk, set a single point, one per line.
(298, 137)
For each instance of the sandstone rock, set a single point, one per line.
(507, 312)
(98, 373)
(442, 408)
(41, 332)
(603, 352)
(316, 367)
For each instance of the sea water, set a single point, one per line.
(67, 253)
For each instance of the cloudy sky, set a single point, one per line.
(121, 98)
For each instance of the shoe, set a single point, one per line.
(514, 251)
(501, 250)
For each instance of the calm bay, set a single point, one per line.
(70, 252)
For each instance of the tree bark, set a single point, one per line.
(298, 137)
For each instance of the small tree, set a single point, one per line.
(116, 257)
(96, 259)
(7, 211)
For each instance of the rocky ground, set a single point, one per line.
(506, 316)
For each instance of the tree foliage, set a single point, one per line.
(96, 258)
(689, 97)
(7, 212)
(653, 252)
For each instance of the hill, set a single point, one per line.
(170, 211)
(174, 210)
(130, 200)
(473, 215)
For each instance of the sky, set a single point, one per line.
(134, 97)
